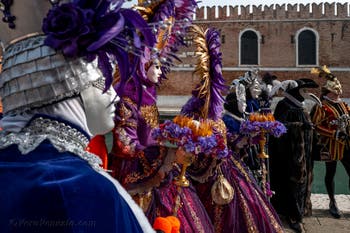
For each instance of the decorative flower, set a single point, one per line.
(199, 140)
(99, 29)
(68, 28)
(261, 122)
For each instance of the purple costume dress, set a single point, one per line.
(249, 211)
(146, 169)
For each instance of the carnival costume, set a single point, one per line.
(230, 194)
(332, 123)
(290, 155)
(48, 182)
(248, 90)
(145, 168)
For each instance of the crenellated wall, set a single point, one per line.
(274, 11)
(277, 27)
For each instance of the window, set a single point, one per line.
(249, 48)
(307, 48)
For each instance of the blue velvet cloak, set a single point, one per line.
(46, 191)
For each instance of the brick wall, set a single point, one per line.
(278, 26)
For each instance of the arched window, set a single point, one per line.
(249, 48)
(307, 48)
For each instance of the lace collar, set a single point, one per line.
(62, 136)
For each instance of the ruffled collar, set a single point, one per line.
(64, 137)
(296, 102)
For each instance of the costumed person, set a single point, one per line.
(290, 155)
(54, 99)
(332, 123)
(268, 84)
(161, 17)
(248, 91)
(229, 192)
(144, 167)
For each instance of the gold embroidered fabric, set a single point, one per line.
(147, 168)
(150, 114)
(125, 113)
(220, 127)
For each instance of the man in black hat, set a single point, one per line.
(290, 155)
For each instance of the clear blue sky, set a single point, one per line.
(249, 2)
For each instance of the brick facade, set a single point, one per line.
(277, 28)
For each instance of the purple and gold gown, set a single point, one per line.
(249, 211)
(146, 169)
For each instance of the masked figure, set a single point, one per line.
(229, 192)
(144, 167)
(332, 123)
(290, 155)
(248, 91)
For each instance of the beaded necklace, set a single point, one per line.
(5, 6)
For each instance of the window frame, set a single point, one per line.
(240, 46)
(297, 47)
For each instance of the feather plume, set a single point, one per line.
(105, 31)
(208, 68)
(170, 19)
(323, 72)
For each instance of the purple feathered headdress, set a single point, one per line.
(102, 29)
(169, 19)
(207, 100)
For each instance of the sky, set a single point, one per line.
(249, 2)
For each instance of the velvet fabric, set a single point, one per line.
(252, 105)
(48, 191)
(148, 95)
(291, 162)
